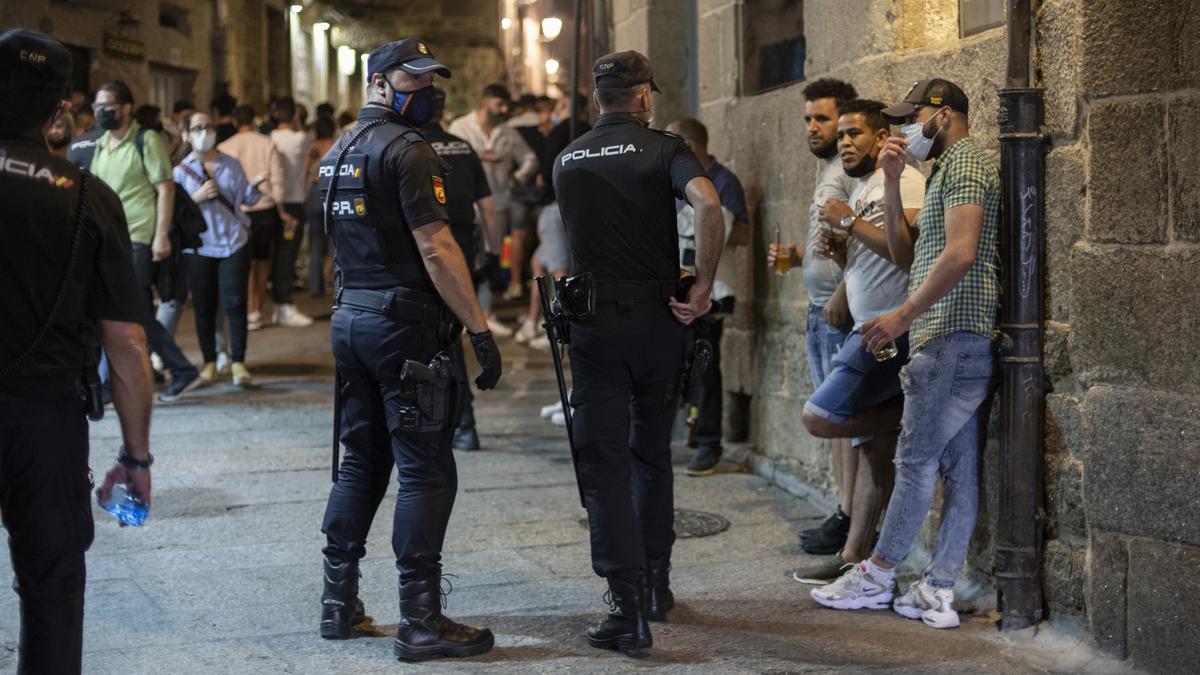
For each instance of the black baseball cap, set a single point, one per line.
(412, 55)
(935, 92)
(29, 59)
(623, 69)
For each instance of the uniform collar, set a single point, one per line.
(373, 111)
(607, 119)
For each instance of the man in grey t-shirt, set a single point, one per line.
(861, 396)
(828, 314)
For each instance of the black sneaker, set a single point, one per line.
(180, 386)
(705, 462)
(829, 538)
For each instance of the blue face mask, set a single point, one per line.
(416, 107)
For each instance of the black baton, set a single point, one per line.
(552, 323)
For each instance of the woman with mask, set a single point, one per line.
(220, 267)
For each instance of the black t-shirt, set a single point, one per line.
(556, 142)
(39, 196)
(616, 188)
(378, 203)
(466, 182)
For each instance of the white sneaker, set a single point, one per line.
(934, 606)
(156, 361)
(548, 411)
(558, 419)
(287, 315)
(254, 321)
(541, 343)
(529, 330)
(498, 328)
(222, 363)
(863, 586)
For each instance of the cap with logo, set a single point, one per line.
(412, 55)
(936, 93)
(623, 69)
(29, 59)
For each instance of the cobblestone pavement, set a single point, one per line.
(225, 577)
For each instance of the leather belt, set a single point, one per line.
(396, 303)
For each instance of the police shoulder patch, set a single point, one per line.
(439, 189)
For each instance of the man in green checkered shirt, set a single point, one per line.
(950, 315)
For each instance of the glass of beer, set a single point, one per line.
(783, 254)
(888, 351)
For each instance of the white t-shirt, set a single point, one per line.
(821, 275)
(294, 147)
(875, 286)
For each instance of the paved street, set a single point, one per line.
(225, 577)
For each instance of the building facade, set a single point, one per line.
(1122, 199)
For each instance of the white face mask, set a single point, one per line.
(202, 141)
(919, 144)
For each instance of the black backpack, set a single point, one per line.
(187, 222)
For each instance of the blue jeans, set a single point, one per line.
(858, 382)
(824, 343)
(947, 385)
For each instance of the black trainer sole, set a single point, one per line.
(407, 652)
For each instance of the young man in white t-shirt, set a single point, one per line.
(861, 397)
(294, 148)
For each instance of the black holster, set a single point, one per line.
(431, 391)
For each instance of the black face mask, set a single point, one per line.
(107, 119)
(865, 167)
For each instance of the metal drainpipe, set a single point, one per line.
(1022, 394)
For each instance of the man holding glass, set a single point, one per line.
(828, 314)
(950, 316)
(860, 398)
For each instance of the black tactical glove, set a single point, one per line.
(493, 273)
(488, 356)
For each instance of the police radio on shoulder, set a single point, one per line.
(132, 463)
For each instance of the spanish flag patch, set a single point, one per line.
(439, 189)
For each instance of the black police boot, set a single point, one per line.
(341, 609)
(625, 628)
(425, 633)
(465, 438)
(659, 599)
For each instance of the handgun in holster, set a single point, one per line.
(430, 390)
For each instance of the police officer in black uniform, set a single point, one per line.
(466, 188)
(616, 187)
(403, 288)
(66, 271)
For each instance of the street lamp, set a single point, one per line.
(551, 27)
(296, 9)
(551, 66)
(505, 23)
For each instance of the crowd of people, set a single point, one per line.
(245, 181)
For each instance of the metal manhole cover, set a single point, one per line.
(690, 524)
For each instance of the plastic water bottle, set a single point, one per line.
(125, 507)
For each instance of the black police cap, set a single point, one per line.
(623, 69)
(936, 92)
(411, 55)
(33, 60)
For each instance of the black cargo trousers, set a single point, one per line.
(370, 349)
(625, 364)
(45, 501)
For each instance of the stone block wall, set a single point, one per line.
(1122, 104)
